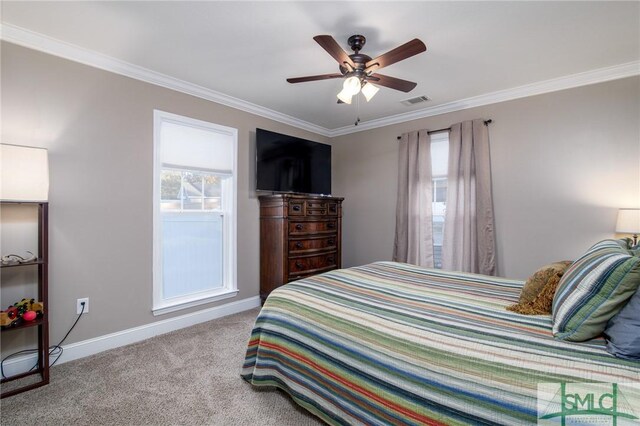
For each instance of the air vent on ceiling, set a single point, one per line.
(413, 101)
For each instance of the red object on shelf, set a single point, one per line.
(12, 312)
(29, 315)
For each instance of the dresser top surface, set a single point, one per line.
(299, 197)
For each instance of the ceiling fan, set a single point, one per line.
(359, 70)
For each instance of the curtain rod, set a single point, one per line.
(486, 123)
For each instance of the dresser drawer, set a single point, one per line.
(317, 212)
(312, 244)
(332, 209)
(299, 228)
(296, 208)
(300, 265)
(316, 204)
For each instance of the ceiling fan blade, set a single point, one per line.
(332, 47)
(398, 54)
(314, 78)
(392, 82)
(340, 101)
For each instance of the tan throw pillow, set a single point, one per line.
(537, 293)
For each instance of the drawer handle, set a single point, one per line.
(299, 245)
(296, 208)
(299, 265)
(330, 259)
(333, 208)
(331, 242)
(331, 225)
(299, 227)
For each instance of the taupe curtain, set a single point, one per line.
(414, 241)
(469, 242)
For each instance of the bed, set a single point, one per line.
(392, 343)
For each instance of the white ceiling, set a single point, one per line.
(247, 49)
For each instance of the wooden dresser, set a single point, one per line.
(300, 235)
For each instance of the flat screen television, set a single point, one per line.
(289, 164)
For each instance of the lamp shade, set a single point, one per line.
(345, 96)
(628, 221)
(24, 173)
(351, 85)
(369, 91)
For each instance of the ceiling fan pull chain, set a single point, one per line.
(357, 110)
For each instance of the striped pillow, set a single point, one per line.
(593, 290)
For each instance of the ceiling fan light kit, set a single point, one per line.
(359, 70)
(352, 85)
(369, 91)
(350, 88)
(345, 96)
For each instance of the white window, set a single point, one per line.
(439, 167)
(194, 212)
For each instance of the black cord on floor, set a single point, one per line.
(53, 350)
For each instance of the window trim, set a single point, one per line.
(230, 229)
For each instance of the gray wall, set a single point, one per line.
(98, 127)
(562, 164)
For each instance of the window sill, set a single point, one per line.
(173, 307)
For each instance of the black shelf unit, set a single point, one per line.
(42, 263)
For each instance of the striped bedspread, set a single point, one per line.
(391, 343)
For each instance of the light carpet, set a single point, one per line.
(187, 377)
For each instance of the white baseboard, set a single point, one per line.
(132, 335)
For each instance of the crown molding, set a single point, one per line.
(599, 75)
(40, 42)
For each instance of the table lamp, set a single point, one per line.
(629, 223)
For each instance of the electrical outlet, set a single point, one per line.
(79, 303)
